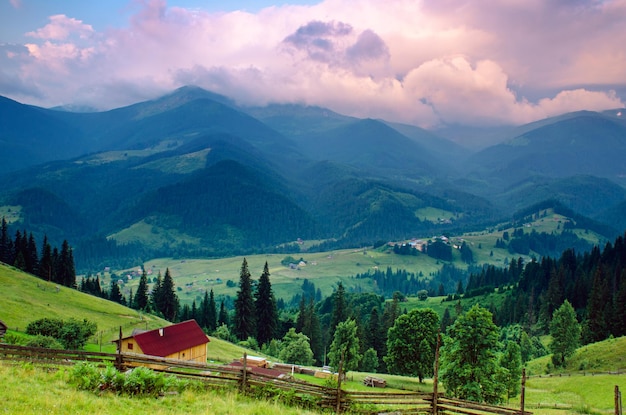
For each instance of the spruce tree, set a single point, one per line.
(245, 313)
(32, 258)
(45, 262)
(203, 311)
(265, 306)
(169, 299)
(222, 319)
(157, 294)
(115, 294)
(141, 299)
(211, 316)
(65, 272)
(5, 242)
(340, 311)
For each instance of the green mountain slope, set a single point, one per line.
(31, 135)
(26, 298)
(588, 143)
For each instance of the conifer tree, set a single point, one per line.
(157, 294)
(115, 294)
(194, 312)
(65, 272)
(168, 305)
(32, 258)
(5, 242)
(141, 300)
(45, 262)
(222, 319)
(375, 338)
(597, 325)
(265, 306)
(245, 313)
(211, 316)
(340, 311)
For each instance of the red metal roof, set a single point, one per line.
(171, 339)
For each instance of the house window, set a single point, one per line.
(130, 346)
(183, 354)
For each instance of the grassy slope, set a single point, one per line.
(27, 298)
(575, 386)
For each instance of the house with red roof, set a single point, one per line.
(182, 341)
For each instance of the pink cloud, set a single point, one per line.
(61, 27)
(418, 62)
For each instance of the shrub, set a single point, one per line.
(44, 341)
(139, 381)
(72, 334)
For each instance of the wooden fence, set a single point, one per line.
(248, 379)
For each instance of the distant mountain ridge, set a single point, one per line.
(192, 172)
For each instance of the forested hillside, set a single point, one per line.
(193, 173)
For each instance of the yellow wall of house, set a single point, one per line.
(196, 354)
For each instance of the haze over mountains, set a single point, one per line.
(192, 173)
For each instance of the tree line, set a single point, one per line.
(50, 263)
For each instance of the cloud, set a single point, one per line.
(17, 4)
(427, 63)
(61, 27)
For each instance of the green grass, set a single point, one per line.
(32, 390)
(27, 298)
(606, 356)
(10, 213)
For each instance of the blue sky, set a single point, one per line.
(428, 62)
(21, 16)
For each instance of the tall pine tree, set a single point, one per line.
(211, 316)
(45, 262)
(245, 313)
(266, 312)
(169, 300)
(141, 300)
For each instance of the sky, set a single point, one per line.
(429, 63)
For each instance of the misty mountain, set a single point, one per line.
(31, 135)
(581, 143)
(191, 173)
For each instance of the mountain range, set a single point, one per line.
(194, 173)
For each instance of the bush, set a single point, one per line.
(72, 334)
(139, 381)
(44, 341)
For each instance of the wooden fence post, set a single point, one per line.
(523, 392)
(618, 401)
(436, 375)
(118, 358)
(244, 374)
(339, 377)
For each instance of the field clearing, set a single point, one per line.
(194, 276)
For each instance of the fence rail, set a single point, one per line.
(247, 378)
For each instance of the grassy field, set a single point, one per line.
(54, 396)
